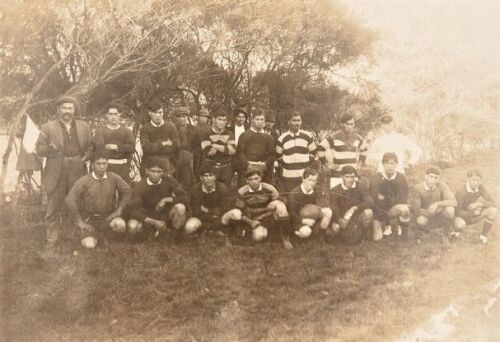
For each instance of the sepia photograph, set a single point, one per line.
(250, 170)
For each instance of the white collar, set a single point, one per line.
(151, 183)
(256, 131)
(157, 125)
(205, 189)
(252, 190)
(219, 133)
(427, 188)
(393, 177)
(113, 129)
(304, 190)
(469, 189)
(97, 178)
(346, 188)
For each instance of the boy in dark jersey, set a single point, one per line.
(389, 191)
(158, 202)
(351, 205)
(475, 204)
(118, 141)
(303, 208)
(209, 201)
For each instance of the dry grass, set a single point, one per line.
(205, 292)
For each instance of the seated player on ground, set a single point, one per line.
(475, 204)
(259, 209)
(434, 203)
(389, 191)
(158, 202)
(209, 201)
(93, 205)
(303, 208)
(351, 205)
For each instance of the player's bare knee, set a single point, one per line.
(421, 221)
(193, 224)
(134, 227)
(118, 225)
(304, 232)
(179, 208)
(326, 213)
(231, 215)
(491, 213)
(89, 242)
(259, 234)
(459, 223)
(280, 210)
(449, 212)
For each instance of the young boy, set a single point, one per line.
(475, 204)
(303, 208)
(218, 148)
(259, 208)
(434, 203)
(209, 201)
(389, 191)
(92, 202)
(118, 141)
(351, 205)
(157, 201)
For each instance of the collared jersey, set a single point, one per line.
(296, 151)
(346, 150)
(254, 202)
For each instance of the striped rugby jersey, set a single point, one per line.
(296, 151)
(226, 139)
(346, 150)
(254, 202)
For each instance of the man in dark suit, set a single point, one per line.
(67, 144)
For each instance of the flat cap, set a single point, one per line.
(66, 99)
(181, 111)
(204, 112)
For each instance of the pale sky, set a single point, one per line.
(459, 40)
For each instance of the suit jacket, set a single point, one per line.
(52, 132)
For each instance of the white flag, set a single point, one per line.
(30, 137)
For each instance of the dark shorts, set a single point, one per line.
(101, 227)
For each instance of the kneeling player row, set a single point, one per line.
(355, 209)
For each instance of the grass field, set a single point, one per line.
(212, 292)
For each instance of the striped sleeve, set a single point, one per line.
(240, 198)
(363, 150)
(205, 142)
(279, 145)
(324, 145)
(274, 193)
